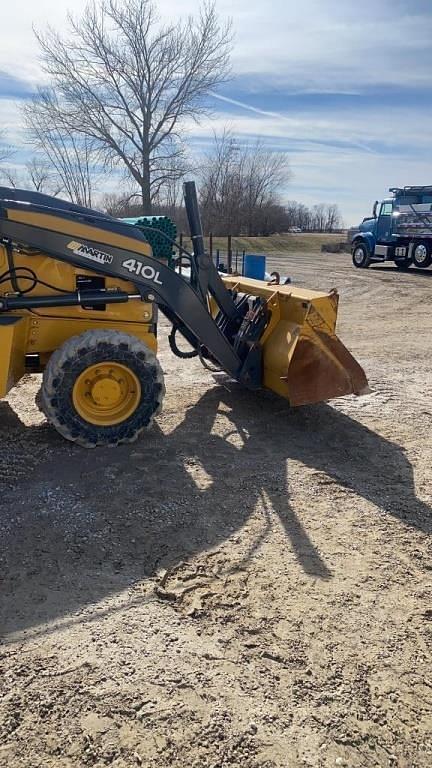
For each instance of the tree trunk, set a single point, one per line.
(145, 186)
(146, 199)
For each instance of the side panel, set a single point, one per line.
(49, 328)
(49, 333)
(64, 276)
(13, 338)
(382, 250)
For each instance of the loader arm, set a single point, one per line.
(58, 232)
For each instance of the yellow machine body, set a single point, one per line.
(13, 345)
(304, 360)
(40, 332)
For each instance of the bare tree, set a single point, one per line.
(219, 182)
(320, 218)
(35, 174)
(42, 176)
(39, 174)
(265, 174)
(334, 218)
(72, 157)
(325, 218)
(298, 216)
(10, 175)
(128, 83)
(115, 205)
(6, 152)
(241, 185)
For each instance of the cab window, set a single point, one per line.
(386, 209)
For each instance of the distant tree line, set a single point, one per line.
(323, 217)
(269, 219)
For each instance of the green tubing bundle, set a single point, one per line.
(154, 228)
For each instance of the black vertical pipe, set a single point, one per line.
(194, 219)
(181, 252)
(229, 265)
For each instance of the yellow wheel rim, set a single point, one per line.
(106, 394)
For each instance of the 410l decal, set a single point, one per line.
(144, 270)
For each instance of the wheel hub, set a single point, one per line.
(106, 394)
(105, 391)
(421, 254)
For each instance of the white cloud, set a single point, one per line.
(309, 44)
(19, 49)
(299, 47)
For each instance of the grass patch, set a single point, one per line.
(307, 242)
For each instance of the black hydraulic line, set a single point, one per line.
(77, 299)
(175, 349)
(10, 258)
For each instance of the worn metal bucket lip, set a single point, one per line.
(321, 369)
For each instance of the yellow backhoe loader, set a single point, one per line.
(79, 294)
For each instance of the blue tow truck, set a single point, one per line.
(399, 230)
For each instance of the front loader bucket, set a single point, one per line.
(304, 361)
(322, 368)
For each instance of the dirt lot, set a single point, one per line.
(247, 586)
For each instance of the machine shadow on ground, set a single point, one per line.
(89, 524)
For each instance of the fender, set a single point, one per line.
(365, 237)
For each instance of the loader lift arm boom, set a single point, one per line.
(24, 221)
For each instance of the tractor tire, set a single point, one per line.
(360, 256)
(422, 255)
(102, 388)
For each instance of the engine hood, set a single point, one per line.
(367, 225)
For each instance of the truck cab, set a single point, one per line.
(399, 231)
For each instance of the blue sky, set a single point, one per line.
(345, 88)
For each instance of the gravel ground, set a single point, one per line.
(248, 585)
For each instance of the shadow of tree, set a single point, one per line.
(89, 524)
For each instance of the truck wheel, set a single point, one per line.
(422, 256)
(360, 256)
(102, 388)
